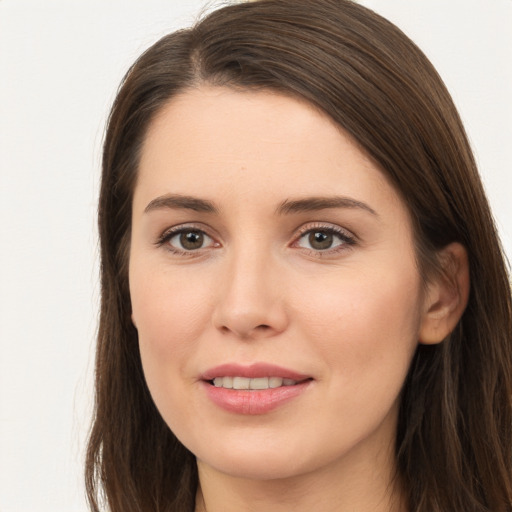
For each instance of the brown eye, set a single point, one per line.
(324, 239)
(320, 240)
(191, 240)
(187, 240)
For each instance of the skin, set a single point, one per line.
(258, 290)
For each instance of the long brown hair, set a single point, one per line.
(454, 437)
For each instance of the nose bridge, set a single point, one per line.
(250, 277)
(249, 300)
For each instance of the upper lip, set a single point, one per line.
(253, 371)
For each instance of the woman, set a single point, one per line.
(304, 301)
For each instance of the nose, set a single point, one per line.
(250, 299)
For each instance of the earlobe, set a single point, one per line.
(447, 295)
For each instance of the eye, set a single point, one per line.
(186, 240)
(326, 239)
(189, 240)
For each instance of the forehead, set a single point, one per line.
(244, 121)
(215, 140)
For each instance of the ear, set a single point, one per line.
(447, 295)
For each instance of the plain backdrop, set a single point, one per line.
(60, 65)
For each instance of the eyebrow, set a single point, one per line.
(177, 201)
(310, 204)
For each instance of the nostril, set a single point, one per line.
(243, 332)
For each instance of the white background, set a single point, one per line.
(60, 64)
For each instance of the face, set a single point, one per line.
(268, 252)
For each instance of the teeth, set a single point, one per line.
(243, 383)
(275, 382)
(240, 383)
(260, 383)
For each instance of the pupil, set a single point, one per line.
(191, 240)
(320, 240)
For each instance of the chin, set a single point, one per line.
(258, 467)
(260, 460)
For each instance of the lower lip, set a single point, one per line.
(256, 401)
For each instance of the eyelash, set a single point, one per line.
(346, 238)
(168, 235)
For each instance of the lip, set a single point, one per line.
(252, 371)
(253, 402)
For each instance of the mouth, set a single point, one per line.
(253, 390)
(255, 377)
(252, 384)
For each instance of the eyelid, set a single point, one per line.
(326, 226)
(171, 232)
(349, 239)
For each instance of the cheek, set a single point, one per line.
(170, 313)
(366, 322)
(366, 335)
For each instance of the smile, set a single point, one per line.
(245, 383)
(259, 388)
